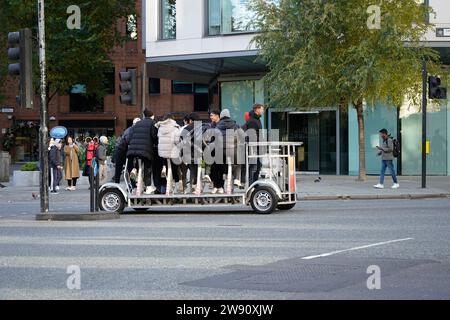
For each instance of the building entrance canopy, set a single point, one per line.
(204, 68)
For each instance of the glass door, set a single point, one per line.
(304, 127)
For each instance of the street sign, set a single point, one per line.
(7, 110)
(58, 132)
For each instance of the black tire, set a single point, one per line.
(112, 200)
(285, 207)
(264, 200)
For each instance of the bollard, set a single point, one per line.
(96, 193)
(91, 188)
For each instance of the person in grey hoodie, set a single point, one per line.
(386, 151)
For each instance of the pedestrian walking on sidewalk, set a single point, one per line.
(386, 151)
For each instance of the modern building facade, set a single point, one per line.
(210, 42)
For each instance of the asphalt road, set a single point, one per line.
(319, 250)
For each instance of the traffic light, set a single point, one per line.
(128, 87)
(436, 91)
(21, 51)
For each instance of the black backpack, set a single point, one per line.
(397, 149)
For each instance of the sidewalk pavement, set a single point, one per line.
(347, 187)
(329, 188)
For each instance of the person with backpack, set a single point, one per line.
(388, 151)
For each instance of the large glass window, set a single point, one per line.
(168, 19)
(230, 16)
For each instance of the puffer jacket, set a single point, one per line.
(168, 139)
(142, 138)
(227, 125)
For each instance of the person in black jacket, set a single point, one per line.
(252, 128)
(141, 145)
(219, 169)
(120, 152)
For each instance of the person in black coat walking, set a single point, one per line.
(141, 145)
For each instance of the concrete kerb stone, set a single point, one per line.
(77, 216)
(375, 197)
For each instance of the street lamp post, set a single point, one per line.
(43, 130)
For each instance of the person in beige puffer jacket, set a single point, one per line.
(169, 143)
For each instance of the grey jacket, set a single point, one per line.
(101, 153)
(387, 149)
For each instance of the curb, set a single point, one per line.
(77, 216)
(375, 197)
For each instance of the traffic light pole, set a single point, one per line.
(43, 129)
(424, 123)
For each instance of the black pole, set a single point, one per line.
(91, 188)
(97, 187)
(424, 123)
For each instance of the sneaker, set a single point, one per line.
(395, 186)
(379, 186)
(207, 179)
(214, 190)
(57, 188)
(221, 191)
(73, 188)
(150, 190)
(133, 174)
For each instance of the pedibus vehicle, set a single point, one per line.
(276, 187)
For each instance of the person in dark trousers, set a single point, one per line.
(219, 169)
(188, 139)
(141, 146)
(54, 163)
(120, 152)
(253, 127)
(386, 151)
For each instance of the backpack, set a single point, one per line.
(397, 149)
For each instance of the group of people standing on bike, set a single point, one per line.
(169, 153)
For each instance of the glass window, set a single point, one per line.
(230, 16)
(154, 85)
(80, 101)
(168, 19)
(182, 87)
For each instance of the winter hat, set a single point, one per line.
(225, 113)
(136, 120)
(103, 140)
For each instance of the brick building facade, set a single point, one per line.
(111, 117)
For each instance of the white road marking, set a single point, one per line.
(355, 248)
